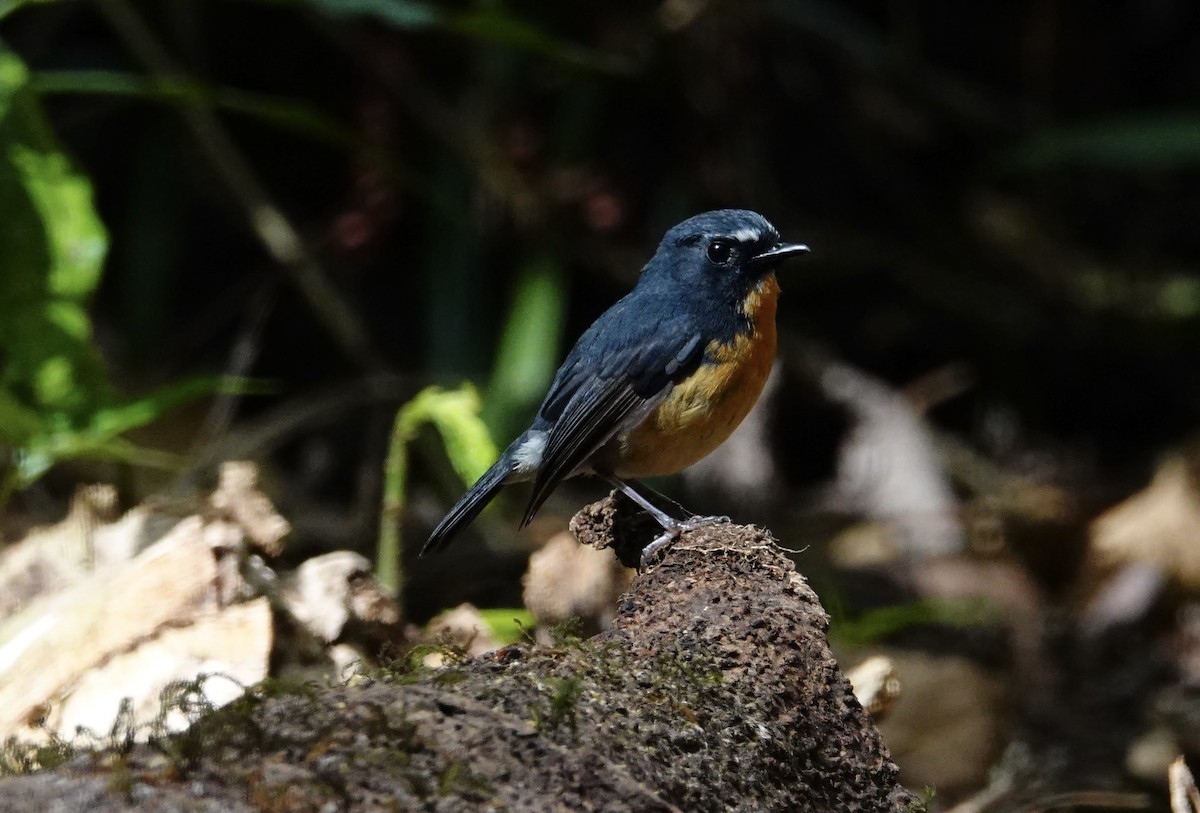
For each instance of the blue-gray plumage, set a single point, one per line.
(661, 378)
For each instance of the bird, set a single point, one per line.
(659, 380)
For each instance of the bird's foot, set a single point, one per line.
(660, 542)
(664, 540)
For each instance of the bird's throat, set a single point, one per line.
(759, 306)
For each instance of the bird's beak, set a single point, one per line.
(778, 253)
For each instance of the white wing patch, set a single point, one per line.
(528, 456)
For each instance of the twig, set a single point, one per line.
(242, 355)
(258, 436)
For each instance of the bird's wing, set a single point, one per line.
(617, 370)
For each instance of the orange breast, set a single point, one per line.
(703, 410)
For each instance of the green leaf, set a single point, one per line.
(55, 398)
(52, 249)
(508, 625)
(116, 420)
(1145, 142)
(290, 114)
(400, 13)
(38, 457)
(879, 623)
(489, 24)
(493, 25)
(18, 423)
(7, 7)
(455, 414)
(529, 347)
(54, 440)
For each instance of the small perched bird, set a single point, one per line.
(660, 379)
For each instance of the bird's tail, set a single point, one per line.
(469, 505)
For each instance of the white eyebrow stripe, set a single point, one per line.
(746, 235)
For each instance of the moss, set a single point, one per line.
(409, 667)
(120, 778)
(449, 677)
(18, 757)
(270, 793)
(924, 802)
(567, 634)
(564, 702)
(219, 733)
(209, 734)
(278, 687)
(384, 760)
(458, 780)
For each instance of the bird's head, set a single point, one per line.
(726, 252)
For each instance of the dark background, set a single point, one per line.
(1005, 186)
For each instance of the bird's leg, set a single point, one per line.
(664, 519)
(693, 520)
(672, 527)
(658, 496)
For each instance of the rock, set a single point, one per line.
(714, 690)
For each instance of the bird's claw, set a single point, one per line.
(660, 542)
(693, 523)
(663, 540)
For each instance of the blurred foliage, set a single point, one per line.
(55, 399)
(528, 353)
(877, 624)
(1140, 143)
(488, 22)
(53, 247)
(283, 113)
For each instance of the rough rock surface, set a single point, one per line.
(714, 691)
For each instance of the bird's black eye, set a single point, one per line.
(720, 252)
